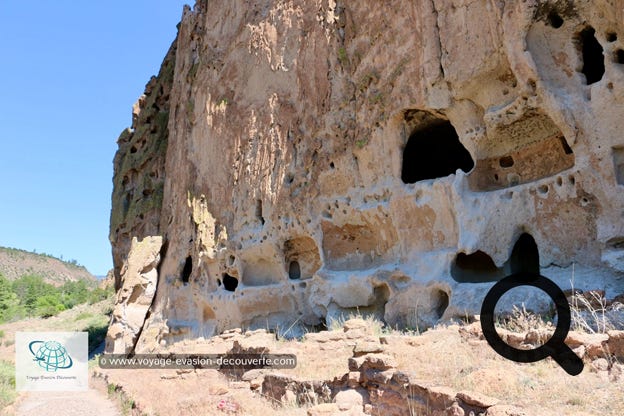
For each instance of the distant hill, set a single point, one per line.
(15, 263)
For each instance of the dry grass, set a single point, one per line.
(444, 358)
(440, 356)
(591, 315)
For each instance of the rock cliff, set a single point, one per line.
(296, 161)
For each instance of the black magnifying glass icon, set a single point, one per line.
(555, 346)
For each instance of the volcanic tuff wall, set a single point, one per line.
(299, 160)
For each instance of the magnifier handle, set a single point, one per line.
(568, 360)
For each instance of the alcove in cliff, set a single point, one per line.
(434, 151)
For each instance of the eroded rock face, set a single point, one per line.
(140, 278)
(326, 157)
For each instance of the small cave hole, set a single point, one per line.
(133, 149)
(187, 270)
(524, 255)
(442, 302)
(219, 282)
(543, 189)
(593, 60)
(566, 147)
(434, 152)
(230, 283)
(331, 165)
(555, 20)
(618, 56)
(506, 162)
(611, 36)
(294, 270)
(477, 267)
(259, 211)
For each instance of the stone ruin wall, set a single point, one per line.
(297, 161)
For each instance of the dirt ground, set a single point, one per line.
(453, 357)
(440, 357)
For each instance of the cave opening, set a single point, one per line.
(294, 270)
(555, 20)
(477, 267)
(618, 56)
(259, 211)
(524, 255)
(442, 303)
(593, 60)
(506, 162)
(230, 283)
(434, 152)
(187, 270)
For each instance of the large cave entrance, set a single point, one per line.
(434, 151)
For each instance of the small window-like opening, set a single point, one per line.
(294, 270)
(618, 56)
(566, 147)
(611, 36)
(555, 20)
(187, 270)
(434, 152)
(593, 60)
(477, 267)
(506, 162)
(229, 282)
(332, 165)
(524, 256)
(259, 211)
(442, 303)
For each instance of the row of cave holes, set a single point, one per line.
(591, 50)
(230, 283)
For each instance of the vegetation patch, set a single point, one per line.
(32, 296)
(7, 383)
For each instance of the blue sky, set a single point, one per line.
(70, 73)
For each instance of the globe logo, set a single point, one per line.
(50, 355)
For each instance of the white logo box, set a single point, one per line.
(51, 361)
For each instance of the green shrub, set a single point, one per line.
(48, 305)
(30, 295)
(9, 302)
(7, 383)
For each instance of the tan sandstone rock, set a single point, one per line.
(134, 299)
(309, 161)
